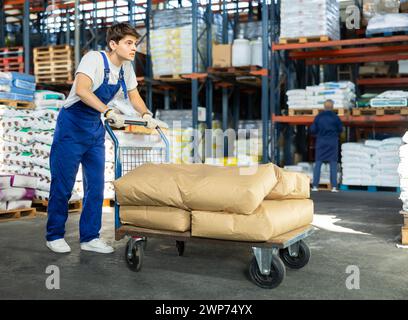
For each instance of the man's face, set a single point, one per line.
(126, 48)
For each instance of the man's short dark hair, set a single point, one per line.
(118, 31)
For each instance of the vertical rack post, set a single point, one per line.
(26, 36)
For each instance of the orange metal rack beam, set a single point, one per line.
(339, 43)
(367, 121)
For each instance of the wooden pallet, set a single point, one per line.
(404, 229)
(54, 78)
(12, 51)
(325, 186)
(171, 78)
(52, 53)
(17, 104)
(8, 60)
(379, 111)
(233, 71)
(51, 70)
(315, 112)
(17, 214)
(16, 68)
(42, 205)
(304, 39)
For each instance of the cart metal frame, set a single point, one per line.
(267, 268)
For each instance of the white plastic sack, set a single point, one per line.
(15, 194)
(21, 204)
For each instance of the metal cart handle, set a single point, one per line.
(134, 123)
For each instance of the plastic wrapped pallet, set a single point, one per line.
(312, 18)
(372, 8)
(341, 93)
(387, 23)
(396, 98)
(172, 52)
(372, 163)
(17, 86)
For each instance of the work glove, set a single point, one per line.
(153, 123)
(115, 119)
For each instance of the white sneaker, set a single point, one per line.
(59, 246)
(315, 189)
(334, 190)
(96, 245)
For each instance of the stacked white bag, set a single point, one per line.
(403, 172)
(372, 163)
(357, 162)
(387, 163)
(312, 18)
(342, 93)
(16, 191)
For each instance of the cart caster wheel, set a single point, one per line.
(135, 261)
(296, 262)
(180, 247)
(273, 279)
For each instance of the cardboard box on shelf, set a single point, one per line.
(222, 55)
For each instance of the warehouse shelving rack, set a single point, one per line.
(312, 55)
(33, 16)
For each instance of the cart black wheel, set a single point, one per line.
(296, 262)
(273, 279)
(180, 247)
(135, 262)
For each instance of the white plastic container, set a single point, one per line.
(241, 53)
(256, 52)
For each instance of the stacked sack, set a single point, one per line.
(357, 162)
(342, 93)
(230, 203)
(16, 191)
(372, 163)
(17, 86)
(313, 18)
(403, 172)
(387, 160)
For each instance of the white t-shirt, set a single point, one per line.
(92, 65)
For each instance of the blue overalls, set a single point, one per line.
(80, 138)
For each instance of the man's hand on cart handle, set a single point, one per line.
(153, 123)
(115, 120)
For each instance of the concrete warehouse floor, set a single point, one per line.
(217, 272)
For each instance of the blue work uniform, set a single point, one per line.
(326, 127)
(79, 138)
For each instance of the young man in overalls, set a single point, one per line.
(80, 136)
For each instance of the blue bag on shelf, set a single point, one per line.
(16, 96)
(22, 84)
(17, 75)
(22, 91)
(4, 81)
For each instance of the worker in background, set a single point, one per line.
(327, 128)
(80, 136)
